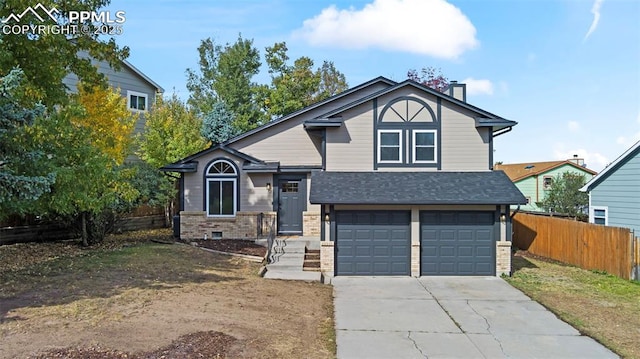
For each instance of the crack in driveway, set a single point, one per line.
(488, 328)
(416, 346)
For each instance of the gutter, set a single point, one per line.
(502, 132)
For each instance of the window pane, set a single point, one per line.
(142, 105)
(227, 197)
(425, 139)
(133, 101)
(599, 221)
(390, 154)
(599, 212)
(290, 187)
(214, 197)
(389, 139)
(425, 154)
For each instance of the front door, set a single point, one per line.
(291, 202)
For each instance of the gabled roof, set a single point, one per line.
(488, 187)
(612, 167)
(145, 77)
(379, 79)
(520, 171)
(496, 122)
(188, 165)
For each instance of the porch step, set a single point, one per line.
(311, 260)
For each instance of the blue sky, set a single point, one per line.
(567, 71)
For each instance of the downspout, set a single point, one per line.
(537, 191)
(515, 212)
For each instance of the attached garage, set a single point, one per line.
(457, 243)
(415, 223)
(373, 242)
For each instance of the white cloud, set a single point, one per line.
(429, 27)
(628, 141)
(478, 87)
(573, 126)
(594, 160)
(595, 10)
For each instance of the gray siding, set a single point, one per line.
(288, 142)
(620, 192)
(350, 147)
(254, 196)
(124, 79)
(464, 147)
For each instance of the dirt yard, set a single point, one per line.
(131, 298)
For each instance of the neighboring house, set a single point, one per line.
(139, 90)
(395, 179)
(534, 179)
(614, 194)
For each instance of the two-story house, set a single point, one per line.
(139, 90)
(535, 179)
(395, 179)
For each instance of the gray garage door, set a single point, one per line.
(373, 242)
(457, 243)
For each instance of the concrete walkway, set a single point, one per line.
(449, 317)
(287, 258)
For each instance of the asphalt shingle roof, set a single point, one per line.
(489, 187)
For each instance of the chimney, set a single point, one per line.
(457, 91)
(577, 160)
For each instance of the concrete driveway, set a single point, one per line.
(449, 317)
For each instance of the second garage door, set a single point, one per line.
(373, 242)
(457, 243)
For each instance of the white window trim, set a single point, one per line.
(228, 177)
(592, 217)
(139, 94)
(399, 132)
(435, 146)
(235, 196)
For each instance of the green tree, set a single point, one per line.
(430, 77)
(296, 86)
(332, 81)
(293, 87)
(88, 183)
(47, 59)
(20, 179)
(225, 74)
(565, 196)
(217, 125)
(171, 132)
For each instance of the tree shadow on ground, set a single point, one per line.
(519, 261)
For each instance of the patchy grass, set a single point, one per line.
(602, 306)
(137, 298)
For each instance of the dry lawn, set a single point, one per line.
(601, 306)
(145, 298)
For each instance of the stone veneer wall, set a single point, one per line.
(326, 258)
(415, 259)
(503, 258)
(311, 223)
(194, 225)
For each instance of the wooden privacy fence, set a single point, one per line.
(588, 246)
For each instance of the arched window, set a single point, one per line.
(221, 187)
